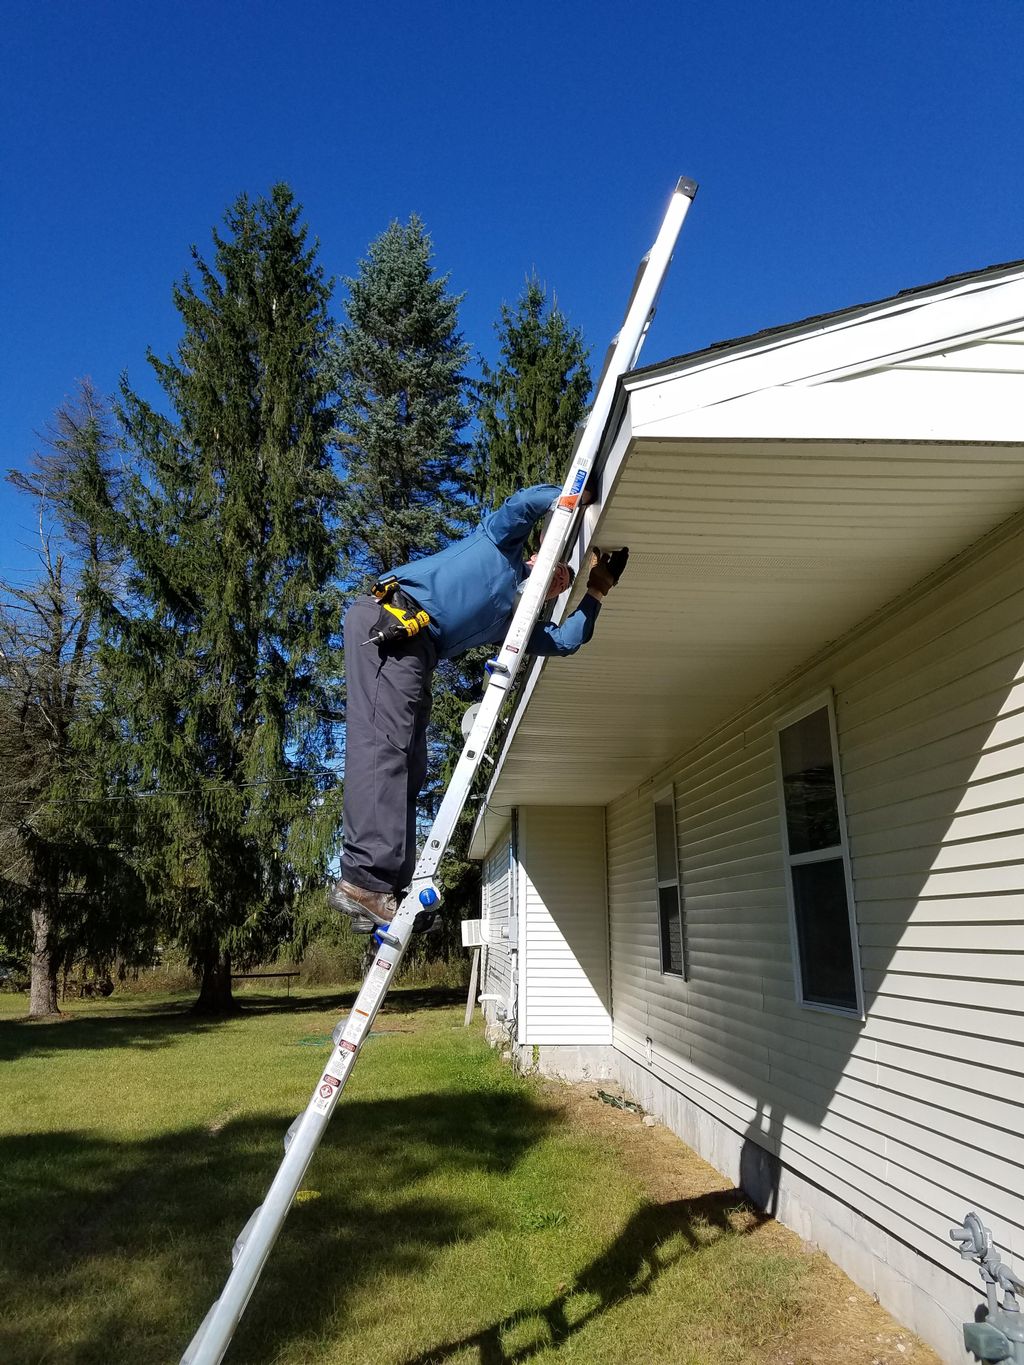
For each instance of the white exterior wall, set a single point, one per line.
(563, 993)
(496, 894)
(891, 1128)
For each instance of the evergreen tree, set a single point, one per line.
(402, 405)
(215, 652)
(68, 889)
(534, 401)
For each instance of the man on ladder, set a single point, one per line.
(434, 608)
(401, 611)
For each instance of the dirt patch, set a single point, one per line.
(838, 1324)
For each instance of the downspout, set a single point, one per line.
(513, 928)
(608, 924)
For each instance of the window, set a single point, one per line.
(817, 863)
(670, 908)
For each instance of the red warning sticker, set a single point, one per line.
(346, 1046)
(328, 1085)
(569, 500)
(384, 966)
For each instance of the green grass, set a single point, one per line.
(450, 1215)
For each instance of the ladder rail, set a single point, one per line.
(256, 1241)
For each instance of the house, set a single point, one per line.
(757, 853)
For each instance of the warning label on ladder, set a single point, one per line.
(358, 1023)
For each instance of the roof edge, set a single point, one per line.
(769, 334)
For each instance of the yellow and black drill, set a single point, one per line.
(400, 616)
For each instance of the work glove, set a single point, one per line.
(608, 570)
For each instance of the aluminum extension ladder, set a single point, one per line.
(257, 1238)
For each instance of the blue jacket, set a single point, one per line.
(469, 588)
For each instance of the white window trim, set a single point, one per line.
(667, 795)
(822, 700)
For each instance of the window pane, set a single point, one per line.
(671, 930)
(809, 783)
(823, 934)
(665, 839)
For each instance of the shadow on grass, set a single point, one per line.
(113, 1252)
(400, 1000)
(145, 1026)
(654, 1239)
(142, 1026)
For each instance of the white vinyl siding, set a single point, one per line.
(564, 978)
(496, 894)
(916, 1114)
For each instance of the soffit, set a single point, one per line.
(747, 559)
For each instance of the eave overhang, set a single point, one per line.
(773, 498)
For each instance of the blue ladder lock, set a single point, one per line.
(429, 896)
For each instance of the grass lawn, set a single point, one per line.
(455, 1212)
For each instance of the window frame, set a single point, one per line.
(822, 701)
(666, 796)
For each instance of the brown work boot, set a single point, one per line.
(367, 910)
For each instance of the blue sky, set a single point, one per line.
(844, 151)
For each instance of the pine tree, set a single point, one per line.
(67, 886)
(403, 405)
(533, 403)
(215, 655)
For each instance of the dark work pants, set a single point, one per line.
(386, 714)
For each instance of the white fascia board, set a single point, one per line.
(827, 351)
(888, 407)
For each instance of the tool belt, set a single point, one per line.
(401, 616)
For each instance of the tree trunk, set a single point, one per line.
(215, 996)
(42, 994)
